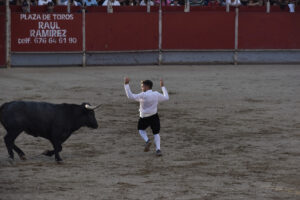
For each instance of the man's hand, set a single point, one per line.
(126, 80)
(161, 83)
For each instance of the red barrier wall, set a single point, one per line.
(277, 30)
(46, 32)
(2, 39)
(121, 31)
(198, 30)
(131, 28)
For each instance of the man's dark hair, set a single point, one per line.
(148, 83)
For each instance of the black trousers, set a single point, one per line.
(152, 121)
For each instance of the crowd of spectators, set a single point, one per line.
(50, 3)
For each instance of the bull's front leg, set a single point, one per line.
(9, 145)
(57, 148)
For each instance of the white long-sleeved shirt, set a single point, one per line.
(148, 100)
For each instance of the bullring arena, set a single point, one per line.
(227, 133)
(230, 130)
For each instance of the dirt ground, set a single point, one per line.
(228, 133)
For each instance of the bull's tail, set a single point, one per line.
(1, 108)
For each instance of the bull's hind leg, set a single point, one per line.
(57, 149)
(9, 140)
(19, 152)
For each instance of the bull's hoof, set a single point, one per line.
(22, 157)
(11, 161)
(59, 162)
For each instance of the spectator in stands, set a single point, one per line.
(100, 2)
(77, 2)
(18, 2)
(50, 7)
(122, 2)
(113, 3)
(282, 4)
(273, 2)
(234, 2)
(198, 2)
(255, 3)
(44, 2)
(62, 2)
(90, 2)
(59, 2)
(65, 3)
(83, 8)
(175, 3)
(144, 3)
(163, 2)
(12, 2)
(244, 2)
(33, 2)
(25, 7)
(291, 5)
(132, 3)
(213, 3)
(222, 2)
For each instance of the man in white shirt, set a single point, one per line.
(148, 110)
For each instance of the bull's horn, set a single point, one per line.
(91, 107)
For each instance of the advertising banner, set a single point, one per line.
(42, 32)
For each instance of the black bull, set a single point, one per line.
(55, 122)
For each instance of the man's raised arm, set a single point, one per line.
(129, 94)
(165, 95)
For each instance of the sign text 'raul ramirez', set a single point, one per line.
(47, 30)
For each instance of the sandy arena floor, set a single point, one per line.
(227, 133)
